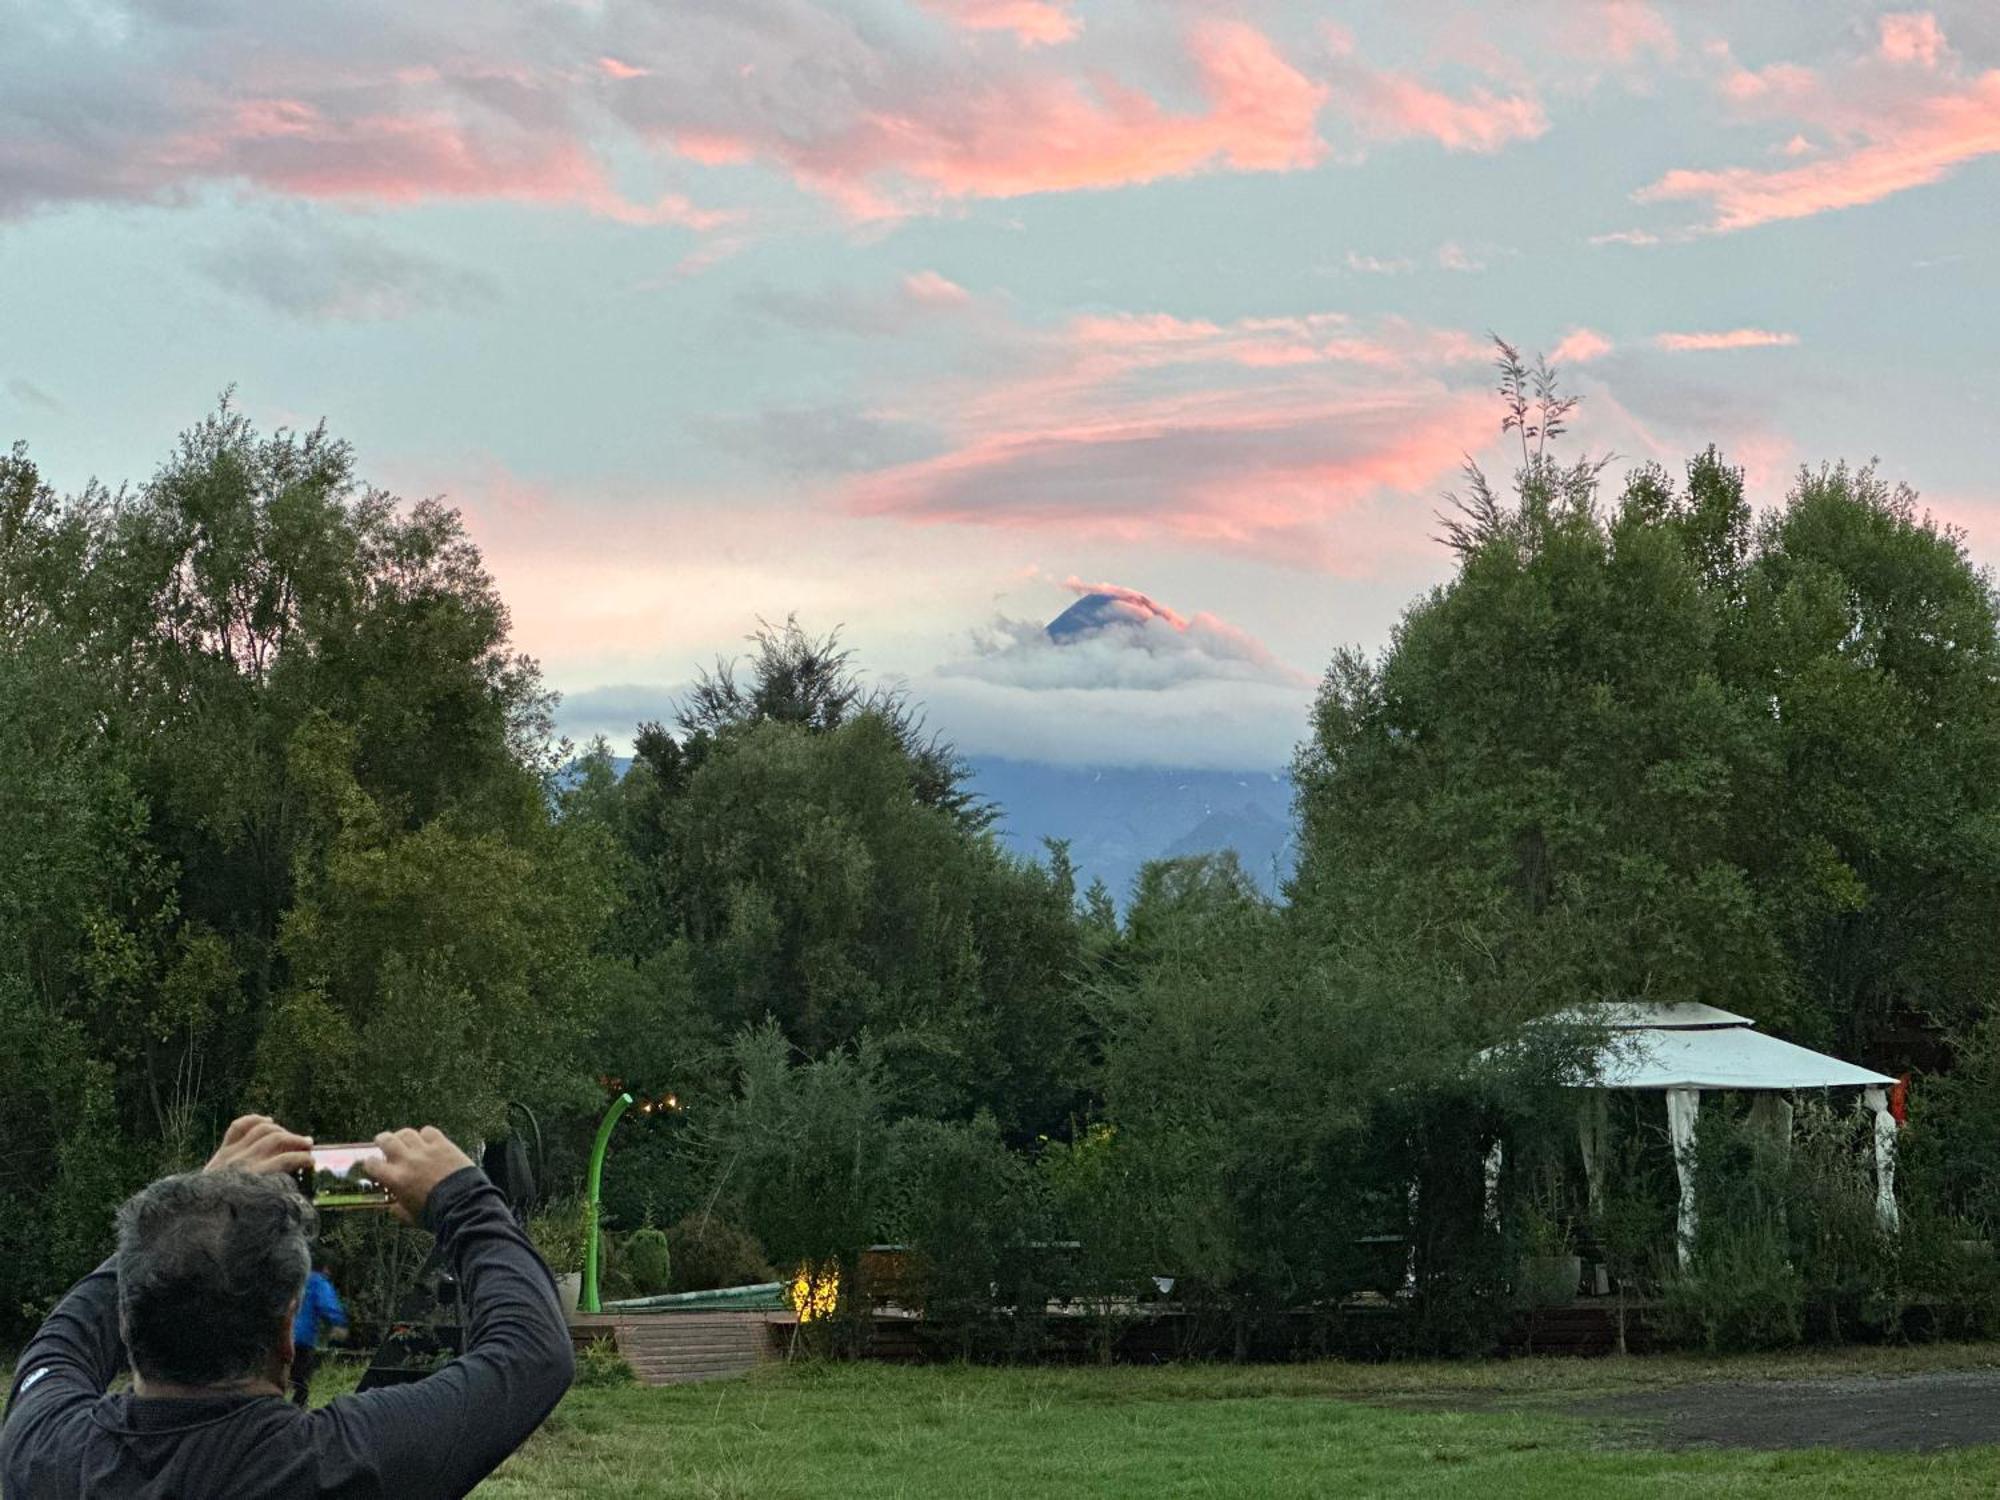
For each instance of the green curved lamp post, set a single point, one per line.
(619, 1105)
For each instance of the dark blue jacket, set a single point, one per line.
(65, 1439)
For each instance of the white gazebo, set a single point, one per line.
(1680, 1051)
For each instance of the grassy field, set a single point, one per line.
(1476, 1429)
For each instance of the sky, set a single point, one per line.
(920, 318)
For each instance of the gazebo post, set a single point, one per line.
(1875, 1100)
(1683, 1109)
(1593, 1130)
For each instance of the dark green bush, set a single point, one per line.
(707, 1252)
(646, 1258)
(969, 1214)
(1741, 1292)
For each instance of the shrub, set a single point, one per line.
(561, 1233)
(1950, 1278)
(968, 1212)
(647, 1261)
(601, 1365)
(1741, 1292)
(705, 1252)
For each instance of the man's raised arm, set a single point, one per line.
(441, 1435)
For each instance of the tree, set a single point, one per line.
(1663, 750)
(798, 853)
(274, 825)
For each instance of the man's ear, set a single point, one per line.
(286, 1347)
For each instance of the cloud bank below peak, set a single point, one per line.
(1115, 639)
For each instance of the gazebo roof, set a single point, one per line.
(1700, 1047)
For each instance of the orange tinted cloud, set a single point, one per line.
(1734, 338)
(1389, 106)
(1626, 28)
(1912, 37)
(295, 147)
(1032, 132)
(1033, 22)
(1271, 474)
(1897, 119)
(1580, 346)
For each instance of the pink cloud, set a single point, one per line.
(1371, 265)
(1580, 346)
(1625, 29)
(1033, 22)
(1891, 126)
(711, 150)
(884, 135)
(1391, 106)
(1142, 606)
(1270, 475)
(407, 105)
(1912, 37)
(300, 148)
(1734, 338)
(930, 289)
(1033, 133)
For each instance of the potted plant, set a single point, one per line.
(561, 1235)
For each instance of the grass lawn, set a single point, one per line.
(1471, 1429)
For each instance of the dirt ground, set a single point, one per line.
(1884, 1413)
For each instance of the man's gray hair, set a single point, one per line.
(208, 1266)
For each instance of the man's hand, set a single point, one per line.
(413, 1163)
(258, 1143)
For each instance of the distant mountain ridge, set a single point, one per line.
(1118, 818)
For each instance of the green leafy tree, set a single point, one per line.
(274, 827)
(1662, 749)
(800, 852)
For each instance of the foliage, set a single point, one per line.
(646, 1256)
(283, 823)
(1662, 749)
(599, 1366)
(970, 1218)
(799, 854)
(711, 1252)
(1742, 1292)
(1951, 1147)
(561, 1233)
(273, 830)
(801, 1149)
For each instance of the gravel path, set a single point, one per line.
(1887, 1413)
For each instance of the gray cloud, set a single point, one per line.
(616, 710)
(324, 274)
(30, 394)
(815, 441)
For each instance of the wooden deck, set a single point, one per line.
(676, 1348)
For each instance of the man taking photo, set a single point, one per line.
(202, 1293)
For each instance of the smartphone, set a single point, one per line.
(342, 1177)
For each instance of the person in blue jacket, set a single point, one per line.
(319, 1304)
